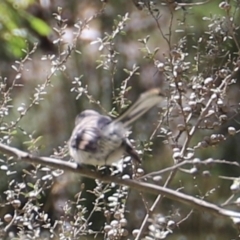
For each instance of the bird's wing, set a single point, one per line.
(87, 132)
(129, 149)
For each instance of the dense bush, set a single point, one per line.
(61, 57)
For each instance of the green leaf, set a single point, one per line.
(37, 139)
(39, 25)
(15, 46)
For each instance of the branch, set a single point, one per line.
(137, 185)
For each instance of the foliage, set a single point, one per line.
(17, 26)
(104, 55)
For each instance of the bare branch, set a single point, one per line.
(139, 186)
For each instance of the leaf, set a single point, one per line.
(39, 25)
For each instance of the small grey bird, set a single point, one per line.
(99, 140)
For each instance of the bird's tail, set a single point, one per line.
(145, 102)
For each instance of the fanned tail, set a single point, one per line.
(145, 102)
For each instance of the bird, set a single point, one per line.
(99, 140)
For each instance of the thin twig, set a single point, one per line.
(192, 202)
